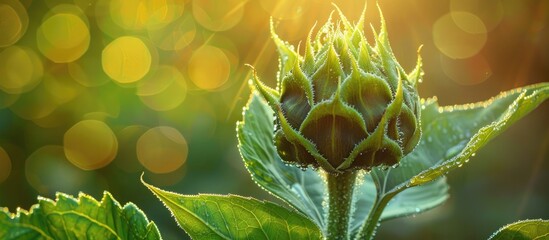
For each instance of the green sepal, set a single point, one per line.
(270, 95)
(368, 94)
(415, 75)
(390, 65)
(327, 121)
(296, 138)
(364, 59)
(309, 61)
(296, 97)
(326, 78)
(288, 56)
(409, 138)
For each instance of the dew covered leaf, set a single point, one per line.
(235, 217)
(77, 218)
(451, 135)
(417, 199)
(303, 189)
(408, 202)
(523, 230)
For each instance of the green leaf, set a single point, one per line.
(408, 202)
(235, 217)
(523, 230)
(451, 135)
(82, 218)
(417, 199)
(303, 189)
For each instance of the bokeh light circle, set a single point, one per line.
(36, 104)
(467, 72)
(63, 37)
(47, 170)
(459, 35)
(90, 144)
(14, 21)
(209, 67)
(20, 70)
(218, 15)
(5, 165)
(142, 14)
(491, 12)
(174, 36)
(163, 91)
(162, 149)
(61, 87)
(126, 59)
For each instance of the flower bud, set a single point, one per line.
(343, 105)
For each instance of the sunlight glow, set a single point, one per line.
(90, 144)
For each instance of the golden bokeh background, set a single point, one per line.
(95, 92)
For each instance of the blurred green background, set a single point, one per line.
(93, 93)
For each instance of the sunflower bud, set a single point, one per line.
(343, 105)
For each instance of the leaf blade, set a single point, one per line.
(451, 135)
(526, 229)
(408, 202)
(235, 217)
(84, 217)
(302, 189)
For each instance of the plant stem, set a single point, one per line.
(340, 198)
(368, 230)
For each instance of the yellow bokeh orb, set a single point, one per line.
(13, 22)
(163, 91)
(90, 144)
(459, 35)
(209, 67)
(36, 104)
(466, 72)
(5, 165)
(63, 37)
(174, 36)
(126, 59)
(141, 14)
(491, 12)
(20, 70)
(162, 149)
